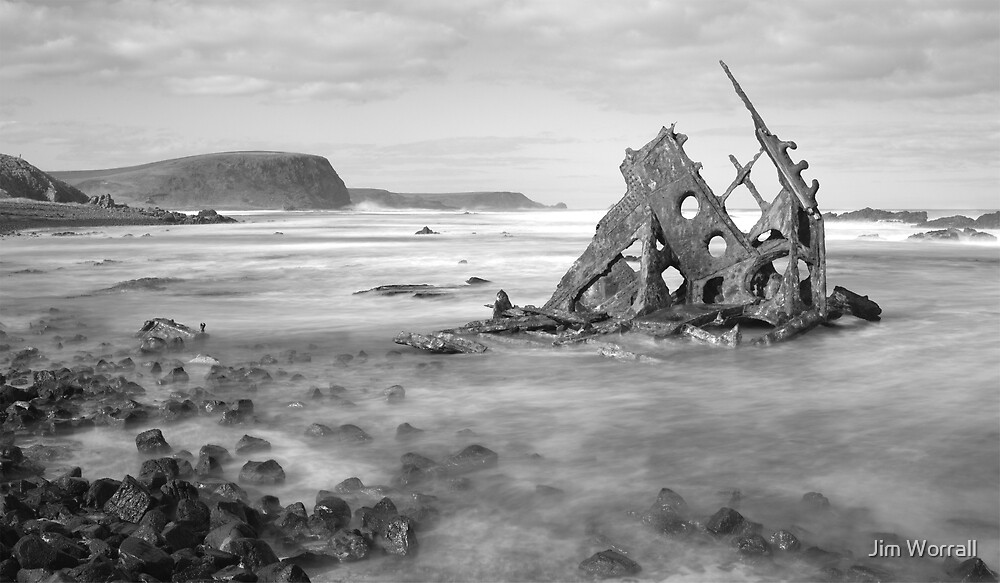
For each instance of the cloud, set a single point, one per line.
(292, 50)
(632, 55)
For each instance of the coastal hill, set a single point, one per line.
(19, 179)
(496, 201)
(225, 180)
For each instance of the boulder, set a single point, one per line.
(130, 501)
(610, 564)
(282, 572)
(333, 511)
(249, 444)
(406, 431)
(253, 553)
(426, 231)
(138, 555)
(394, 394)
(784, 540)
(724, 521)
(152, 442)
(350, 545)
(266, 472)
(472, 458)
(397, 537)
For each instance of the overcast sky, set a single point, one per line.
(895, 104)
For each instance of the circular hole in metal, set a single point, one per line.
(690, 206)
(717, 246)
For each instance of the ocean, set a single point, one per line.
(897, 422)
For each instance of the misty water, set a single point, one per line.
(896, 422)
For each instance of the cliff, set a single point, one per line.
(18, 179)
(483, 201)
(226, 180)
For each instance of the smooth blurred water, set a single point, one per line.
(897, 422)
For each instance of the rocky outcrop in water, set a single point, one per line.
(869, 214)
(953, 235)
(230, 180)
(445, 201)
(19, 179)
(985, 221)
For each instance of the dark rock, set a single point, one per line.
(194, 512)
(32, 552)
(249, 444)
(334, 512)
(784, 540)
(178, 490)
(218, 537)
(377, 517)
(394, 394)
(970, 570)
(667, 498)
(155, 472)
(98, 568)
(225, 511)
(230, 491)
(350, 545)
(210, 460)
(348, 486)
(426, 231)
(268, 505)
(609, 564)
(130, 501)
(253, 553)
(665, 520)
(871, 215)
(814, 502)
(397, 537)
(282, 572)
(406, 431)
(753, 547)
(476, 281)
(138, 555)
(152, 442)
(266, 472)
(101, 490)
(180, 535)
(319, 430)
(988, 221)
(470, 459)
(725, 521)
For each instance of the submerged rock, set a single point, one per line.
(249, 444)
(725, 521)
(609, 564)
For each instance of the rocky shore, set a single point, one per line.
(207, 511)
(18, 215)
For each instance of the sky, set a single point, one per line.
(894, 104)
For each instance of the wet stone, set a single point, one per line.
(398, 537)
(814, 502)
(152, 442)
(610, 564)
(32, 552)
(218, 537)
(665, 520)
(101, 490)
(282, 572)
(970, 570)
(348, 486)
(249, 444)
(406, 431)
(725, 521)
(670, 499)
(753, 547)
(130, 501)
(253, 553)
(138, 555)
(193, 511)
(394, 394)
(470, 459)
(266, 472)
(350, 546)
(784, 540)
(333, 511)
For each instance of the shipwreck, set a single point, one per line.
(774, 275)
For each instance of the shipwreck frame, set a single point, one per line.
(601, 293)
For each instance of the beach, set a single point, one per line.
(584, 444)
